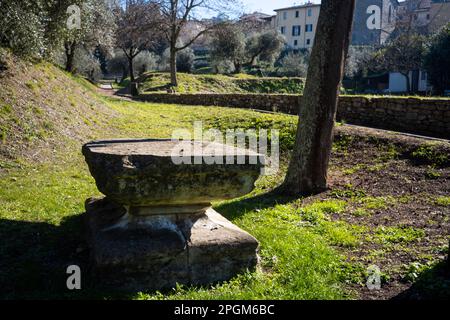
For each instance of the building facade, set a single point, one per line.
(424, 16)
(298, 24)
(374, 21)
(257, 21)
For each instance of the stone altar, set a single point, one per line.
(156, 226)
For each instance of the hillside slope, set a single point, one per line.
(42, 108)
(217, 83)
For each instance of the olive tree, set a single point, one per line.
(138, 29)
(403, 54)
(294, 64)
(22, 26)
(230, 43)
(86, 63)
(178, 15)
(437, 61)
(80, 23)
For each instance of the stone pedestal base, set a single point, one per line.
(152, 252)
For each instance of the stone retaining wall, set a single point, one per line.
(414, 115)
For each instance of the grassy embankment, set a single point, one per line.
(239, 83)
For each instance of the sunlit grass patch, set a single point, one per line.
(400, 234)
(443, 201)
(376, 203)
(318, 210)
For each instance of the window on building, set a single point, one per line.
(308, 42)
(296, 31)
(295, 43)
(285, 15)
(309, 28)
(297, 14)
(309, 12)
(283, 30)
(428, 16)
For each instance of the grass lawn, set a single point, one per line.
(41, 229)
(313, 248)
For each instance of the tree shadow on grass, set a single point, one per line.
(35, 257)
(235, 209)
(432, 284)
(123, 91)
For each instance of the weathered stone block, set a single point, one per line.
(142, 172)
(156, 252)
(156, 227)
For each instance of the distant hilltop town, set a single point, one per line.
(374, 20)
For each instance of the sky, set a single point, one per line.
(267, 6)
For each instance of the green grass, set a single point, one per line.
(429, 154)
(349, 192)
(377, 203)
(217, 83)
(40, 210)
(443, 201)
(41, 206)
(318, 210)
(143, 119)
(392, 235)
(297, 263)
(360, 212)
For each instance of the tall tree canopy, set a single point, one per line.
(179, 15)
(402, 54)
(437, 60)
(23, 25)
(83, 24)
(230, 43)
(42, 27)
(138, 28)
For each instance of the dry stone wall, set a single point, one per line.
(424, 116)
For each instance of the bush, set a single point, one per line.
(144, 62)
(293, 65)
(86, 64)
(185, 60)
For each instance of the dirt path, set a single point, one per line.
(114, 93)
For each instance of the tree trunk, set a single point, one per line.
(124, 73)
(173, 67)
(307, 172)
(237, 67)
(69, 49)
(130, 68)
